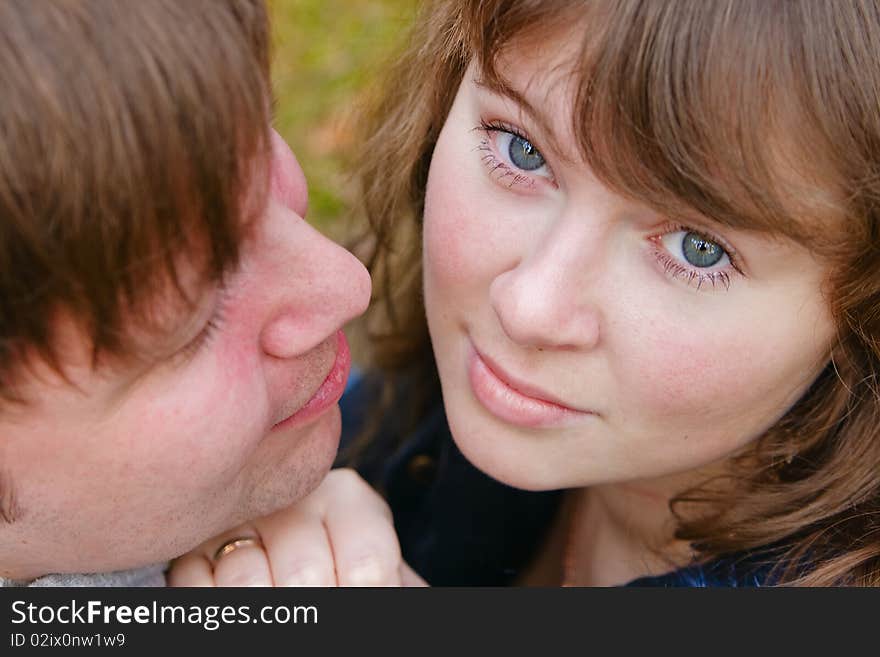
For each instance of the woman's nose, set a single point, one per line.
(320, 287)
(542, 301)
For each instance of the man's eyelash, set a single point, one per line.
(204, 336)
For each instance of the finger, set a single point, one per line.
(247, 565)
(409, 577)
(365, 545)
(192, 569)
(298, 548)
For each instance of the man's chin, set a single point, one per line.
(299, 459)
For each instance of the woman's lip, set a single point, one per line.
(521, 387)
(514, 401)
(328, 393)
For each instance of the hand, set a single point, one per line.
(342, 534)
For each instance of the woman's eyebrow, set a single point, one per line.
(503, 89)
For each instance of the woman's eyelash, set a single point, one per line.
(677, 270)
(690, 274)
(502, 171)
(499, 126)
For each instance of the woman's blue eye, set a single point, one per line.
(699, 251)
(523, 155)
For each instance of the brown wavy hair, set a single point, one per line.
(759, 114)
(130, 139)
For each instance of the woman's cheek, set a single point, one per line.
(448, 237)
(679, 372)
(715, 390)
(465, 248)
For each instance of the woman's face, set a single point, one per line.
(135, 466)
(582, 337)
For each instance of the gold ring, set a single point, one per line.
(234, 543)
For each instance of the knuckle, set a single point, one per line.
(351, 486)
(307, 574)
(385, 512)
(373, 566)
(369, 570)
(241, 579)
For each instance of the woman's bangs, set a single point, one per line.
(693, 109)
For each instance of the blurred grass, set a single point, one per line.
(325, 52)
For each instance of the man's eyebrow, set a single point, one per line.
(499, 87)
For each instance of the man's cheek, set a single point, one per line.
(213, 428)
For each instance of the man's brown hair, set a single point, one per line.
(132, 135)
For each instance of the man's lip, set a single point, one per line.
(524, 388)
(328, 393)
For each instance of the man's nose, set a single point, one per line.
(287, 181)
(544, 301)
(321, 286)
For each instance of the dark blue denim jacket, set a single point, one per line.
(459, 527)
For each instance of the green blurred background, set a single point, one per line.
(325, 53)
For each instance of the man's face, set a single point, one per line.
(238, 419)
